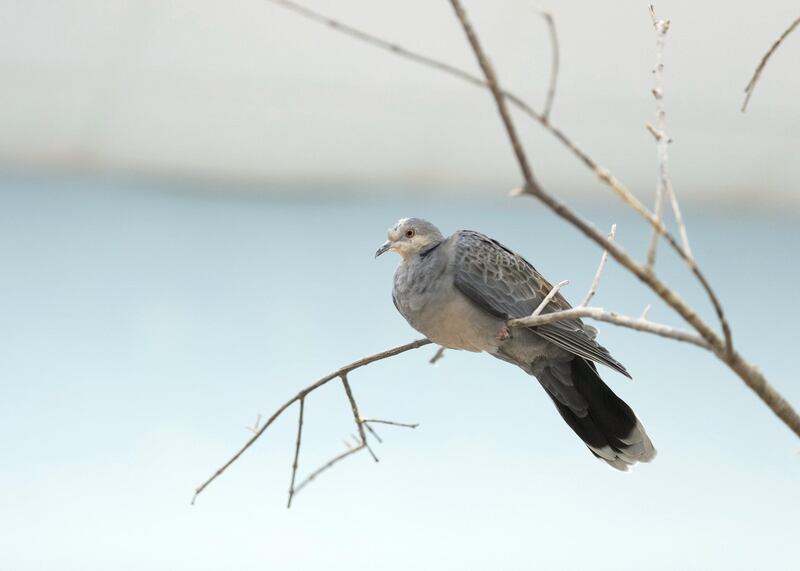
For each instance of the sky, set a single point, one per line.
(252, 92)
(145, 325)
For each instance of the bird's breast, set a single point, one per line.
(439, 311)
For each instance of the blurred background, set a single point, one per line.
(191, 194)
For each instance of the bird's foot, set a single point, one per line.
(503, 334)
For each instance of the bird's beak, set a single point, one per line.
(384, 248)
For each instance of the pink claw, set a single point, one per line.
(503, 334)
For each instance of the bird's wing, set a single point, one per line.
(507, 286)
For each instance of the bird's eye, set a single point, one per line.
(410, 233)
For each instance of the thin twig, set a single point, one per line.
(324, 380)
(599, 273)
(659, 132)
(375, 434)
(664, 187)
(676, 211)
(645, 311)
(599, 314)
(554, 51)
(327, 465)
(296, 451)
(356, 415)
(390, 422)
(438, 355)
(762, 64)
(550, 295)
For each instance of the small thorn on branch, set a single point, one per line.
(437, 356)
(657, 134)
(254, 428)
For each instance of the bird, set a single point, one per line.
(461, 291)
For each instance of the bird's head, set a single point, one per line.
(409, 237)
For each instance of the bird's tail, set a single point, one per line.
(606, 424)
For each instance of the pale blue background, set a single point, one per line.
(143, 325)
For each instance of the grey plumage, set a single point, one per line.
(460, 292)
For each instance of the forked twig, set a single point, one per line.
(581, 311)
(301, 395)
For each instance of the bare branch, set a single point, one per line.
(762, 64)
(301, 395)
(296, 451)
(602, 173)
(554, 51)
(723, 349)
(599, 273)
(599, 314)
